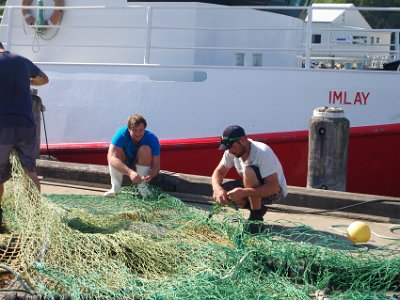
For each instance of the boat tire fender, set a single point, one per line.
(54, 19)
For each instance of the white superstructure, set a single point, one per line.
(340, 31)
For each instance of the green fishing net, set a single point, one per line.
(157, 247)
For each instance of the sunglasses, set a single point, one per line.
(229, 141)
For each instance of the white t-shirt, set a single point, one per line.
(261, 156)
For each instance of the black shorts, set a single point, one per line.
(230, 185)
(23, 141)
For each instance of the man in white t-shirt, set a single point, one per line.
(263, 181)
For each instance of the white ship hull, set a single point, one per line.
(192, 69)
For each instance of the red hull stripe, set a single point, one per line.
(279, 137)
(373, 156)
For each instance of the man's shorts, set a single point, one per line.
(230, 185)
(23, 141)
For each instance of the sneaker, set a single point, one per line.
(110, 194)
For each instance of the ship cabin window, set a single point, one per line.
(316, 39)
(371, 40)
(378, 40)
(358, 40)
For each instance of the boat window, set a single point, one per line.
(359, 39)
(316, 39)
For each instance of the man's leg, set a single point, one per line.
(6, 137)
(143, 160)
(1, 191)
(1, 210)
(33, 175)
(116, 182)
(143, 164)
(252, 178)
(26, 150)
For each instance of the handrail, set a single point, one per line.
(308, 51)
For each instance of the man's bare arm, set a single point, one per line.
(155, 168)
(40, 79)
(219, 193)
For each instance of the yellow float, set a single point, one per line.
(358, 232)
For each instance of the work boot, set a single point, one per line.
(110, 193)
(255, 222)
(258, 215)
(116, 181)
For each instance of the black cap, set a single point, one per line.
(231, 134)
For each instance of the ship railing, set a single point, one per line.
(358, 47)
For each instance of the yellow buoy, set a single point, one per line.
(358, 232)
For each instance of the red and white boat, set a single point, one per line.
(192, 68)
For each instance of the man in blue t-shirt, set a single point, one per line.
(135, 152)
(17, 124)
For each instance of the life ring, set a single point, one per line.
(54, 19)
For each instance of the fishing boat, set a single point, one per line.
(193, 68)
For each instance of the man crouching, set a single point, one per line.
(134, 151)
(262, 180)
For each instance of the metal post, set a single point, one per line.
(149, 20)
(307, 61)
(10, 19)
(397, 45)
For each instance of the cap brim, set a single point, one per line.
(222, 147)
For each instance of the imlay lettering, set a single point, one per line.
(344, 98)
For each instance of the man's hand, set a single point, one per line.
(146, 178)
(237, 194)
(135, 177)
(220, 196)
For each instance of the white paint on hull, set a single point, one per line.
(88, 103)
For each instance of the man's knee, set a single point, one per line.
(250, 178)
(144, 155)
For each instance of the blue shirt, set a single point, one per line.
(15, 93)
(122, 139)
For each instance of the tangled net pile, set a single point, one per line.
(91, 247)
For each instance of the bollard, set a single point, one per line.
(37, 108)
(327, 149)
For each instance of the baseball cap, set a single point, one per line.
(230, 135)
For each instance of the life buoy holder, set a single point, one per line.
(54, 19)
